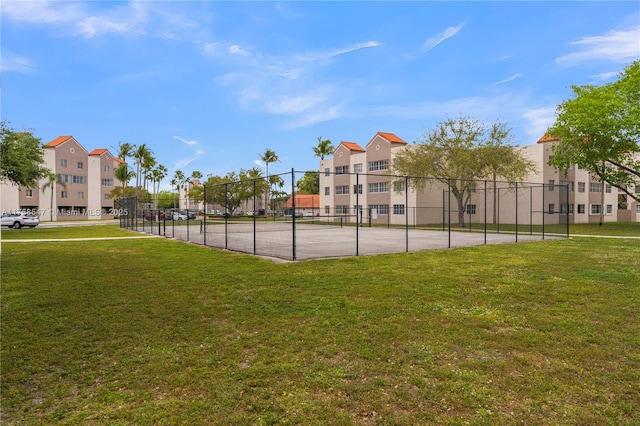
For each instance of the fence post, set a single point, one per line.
(406, 212)
(204, 218)
(358, 224)
(254, 216)
(485, 211)
(531, 210)
(226, 219)
(567, 217)
(449, 209)
(516, 211)
(543, 200)
(293, 216)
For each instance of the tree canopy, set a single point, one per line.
(460, 151)
(323, 148)
(599, 130)
(21, 157)
(231, 190)
(309, 183)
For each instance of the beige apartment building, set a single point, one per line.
(82, 192)
(355, 182)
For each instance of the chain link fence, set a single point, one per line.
(359, 214)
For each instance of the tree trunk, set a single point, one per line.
(461, 212)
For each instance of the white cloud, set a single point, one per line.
(188, 142)
(91, 19)
(506, 80)
(313, 117)
(210, 48)
(17, 63)
(439, 38)
(540, 119)
(316, 56)
(614, 45)
(235, 49)
(605, 75)
(295, 104)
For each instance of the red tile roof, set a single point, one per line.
(58, 141)
(391, 137)
(117, 160)
(547, 138)
(98, 151)
(304, 201)
(352, 146)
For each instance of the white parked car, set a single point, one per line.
(19, 219)
(179, 216)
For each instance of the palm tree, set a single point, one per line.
(268, 157)
(324, 147)
(124, 175)
(51, 180)
(158, 173)
(148, 163)
(140, 153)
(125, 149)
(179, 178)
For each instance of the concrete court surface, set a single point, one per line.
(329, 241)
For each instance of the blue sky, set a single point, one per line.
(209, 86)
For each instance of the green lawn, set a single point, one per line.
(156, 331)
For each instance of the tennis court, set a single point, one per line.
(313, 239)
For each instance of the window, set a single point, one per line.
(566, 208)
(595, 187)
(29, 193)
(81, 195)
(107, 169)
(471, 209)
(106, 196)
(580, 186)
(107, 182)
(327, 190)
(472, 187)
(327, 171)
(63, 194)
(567, 184)
(375, 166)
(552, 208)
(357, 189)
(80, 165)
(398, 186)
(342, 209)
(379, 187)
(637, 189)
(342, 170)
(398, 209)
(357, 209)
(327, 210)
(552, 185)
(607, 188)
(595, 208)
(638, 208)
(63, 163)
(64, 178)
(342, 189)
(580, 208)
(357, 168)
(379, 208)
(609, 209)
(79, 179)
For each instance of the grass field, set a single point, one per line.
(156, 331)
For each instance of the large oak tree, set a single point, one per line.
(458, 153)
(599, 131)
(21, 157)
